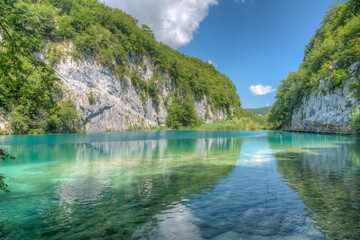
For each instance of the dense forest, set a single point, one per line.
(28, 90)
(331, 51)
(30, 94)
(262, 111)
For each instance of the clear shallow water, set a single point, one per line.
(181, 185)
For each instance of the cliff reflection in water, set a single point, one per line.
(326, 174)
(107, 189)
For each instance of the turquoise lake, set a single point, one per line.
(181, 185)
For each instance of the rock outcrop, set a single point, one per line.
(326, 107)
(4, 125)
(108, 103)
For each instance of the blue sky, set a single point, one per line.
(253, 42)
(257, 42)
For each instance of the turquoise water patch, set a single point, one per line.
(181, 185)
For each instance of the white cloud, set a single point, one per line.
(173, 22)
(267, 104)
(261, 89)
(212, 63)
(238, 1)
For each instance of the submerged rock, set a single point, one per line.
(230, 235)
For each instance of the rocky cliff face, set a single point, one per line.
(326, 107)
(107, 103)
(4, 125)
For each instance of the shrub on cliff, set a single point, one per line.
(182, 113)
(355, 121)
(110, 36)
(4, 156)
(28, 87)
(331, 51)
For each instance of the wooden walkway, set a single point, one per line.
(321, 129)
(312, 131)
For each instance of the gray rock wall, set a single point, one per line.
(326, 107)
(4, 125)
(118, 104)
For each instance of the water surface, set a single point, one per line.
(181, 185)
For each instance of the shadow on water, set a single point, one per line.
(325, 172)
(107, 189)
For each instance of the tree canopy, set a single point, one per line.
(107, 35)
(331, 51)
(28, 90)
(4, 156)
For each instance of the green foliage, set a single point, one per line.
(28, 87)
(110, 36)
(334, 47)
(182, 113)
(152, 91)
(135, 128)
(146, 88)
(355, 121)
(244, 124)
(91, 98)
(4, 156)
(246, 120)
(3, 185)
(243, 113)
(65, 30)
(262, 111)
(28, 93)
(65, 119)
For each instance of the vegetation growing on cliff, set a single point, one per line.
(84, 28)
(182, 113)
(260, 111)
(246, 121)
(355, 121)
(332, 50)
(111, 35)
(28, 88)
(4, 156)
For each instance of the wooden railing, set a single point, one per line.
(317, 128)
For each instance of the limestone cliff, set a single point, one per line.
(108, 103)
(326, 107)
(325, 89)
(115, 71)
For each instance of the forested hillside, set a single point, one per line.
(329, 64)
(262, 111)
(86, 28)
(28, 90)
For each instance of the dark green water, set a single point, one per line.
(181, 185)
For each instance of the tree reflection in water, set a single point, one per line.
(108, 189)
(326, 174)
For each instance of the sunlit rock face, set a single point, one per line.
(3, 124)
(116, 103)
(325, 106)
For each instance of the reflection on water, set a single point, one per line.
(181, 185)
(325, 172)
(115, 186)
(250, 203)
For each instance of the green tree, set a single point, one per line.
(355, 121)
(4, 156)
(29, 92)
(110, 37)
(182, 113)
(328, 56)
